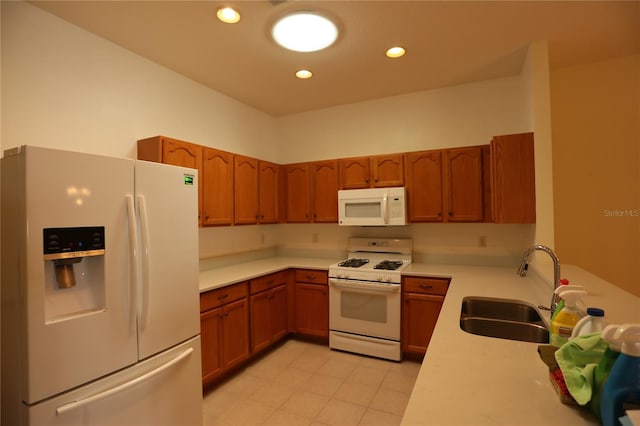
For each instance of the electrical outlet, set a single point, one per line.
(482, 241)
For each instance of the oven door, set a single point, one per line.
(365, 308)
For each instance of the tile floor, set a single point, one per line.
(301, 383)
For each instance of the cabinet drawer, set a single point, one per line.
(312, 276)
(214, 298)
(425, 285)
(266, 282)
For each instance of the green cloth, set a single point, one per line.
(578, 359)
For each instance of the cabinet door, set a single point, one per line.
(298, 196)
(354, 173)
(278, 312)
(260, 328)
(387, 170)
(235, 333)
(325, 191)
(312, 309)
(424, 186)
(463, 184)
(217, 186)
(419, 316)
(268, 192)
(513, 177)
(245, 191)
(181, 153)
(210, 335)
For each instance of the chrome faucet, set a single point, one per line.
(522, 270)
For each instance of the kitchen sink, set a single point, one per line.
(503, 318)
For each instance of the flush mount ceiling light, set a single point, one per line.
(228, 15)
(304, 74)
(395, 52)
(304, 32)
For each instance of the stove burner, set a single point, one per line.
(353, 263)
(389, 265)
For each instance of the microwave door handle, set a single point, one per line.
(385, 208)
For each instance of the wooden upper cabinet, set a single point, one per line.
(325, 191)
(513, 189)
(217, 187)
(245, 192)
(445, 185)
(298, 192)
(463, 184)
(355, 173)
(424, 186)
(387, 170)
(268, 177)
(369, 172)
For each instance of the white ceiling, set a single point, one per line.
(447, 42)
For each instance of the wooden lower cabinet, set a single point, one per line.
(268, 317)
(422, 299)
(224, 330)
(312, 303)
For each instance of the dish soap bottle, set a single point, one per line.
(604, 366)
(623, 385)
(562, 325)
(592, 323)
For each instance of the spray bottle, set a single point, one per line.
(563, 323)
(604, 366)
(623, 385)
(563, 282)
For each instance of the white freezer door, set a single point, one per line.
(75, 335)
(163, 390)
(168, 298)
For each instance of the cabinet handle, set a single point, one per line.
(439, 213)
(222, 297)
(270, 282)
(311, 277)
(426, 286)
(450, 213)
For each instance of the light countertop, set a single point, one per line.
(467, 379)
(220, 277)
(475, 380)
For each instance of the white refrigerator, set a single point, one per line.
(100, 304)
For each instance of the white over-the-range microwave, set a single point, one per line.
(372, 207)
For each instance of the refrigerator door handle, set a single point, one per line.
(144, 296)
(124, 386)
(133, 262)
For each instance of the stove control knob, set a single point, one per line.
(388, 278)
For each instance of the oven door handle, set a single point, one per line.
(364, 288)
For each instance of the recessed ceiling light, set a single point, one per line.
(304, 74)
(228, 15)
(304, 32)
(395, 52)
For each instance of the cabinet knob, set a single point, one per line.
(450, 213)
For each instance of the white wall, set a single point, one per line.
(461, 115)
(63, 87)
(537, 92)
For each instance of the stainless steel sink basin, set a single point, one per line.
(502, 318)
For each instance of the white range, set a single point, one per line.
(364, 297)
